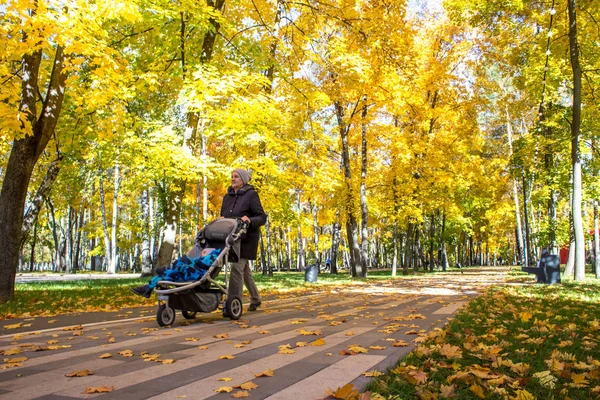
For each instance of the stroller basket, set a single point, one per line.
(204, 294)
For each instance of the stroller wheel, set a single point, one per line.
(165, 316)
(234, 308)
(188, 314)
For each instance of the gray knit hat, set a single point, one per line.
(245, 175)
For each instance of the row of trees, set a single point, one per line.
(401, 134)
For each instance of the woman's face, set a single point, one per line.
(236, 181)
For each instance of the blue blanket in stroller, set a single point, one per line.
(186, 269)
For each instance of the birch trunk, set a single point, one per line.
(364, 210)
(579, 260)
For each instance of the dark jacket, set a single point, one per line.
(245, 202)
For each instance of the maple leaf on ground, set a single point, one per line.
(16, 360)
(126, 353)
(400, 343)
(224, 389)
(346, 392)
(373, 373)
(240, 395)
(13, 326)
(318, 342)
(579, 380)
(285, 351)
(448, 392)
(83, 372)
(477, 390)
(450, 351)
(99, 389)
(11, 352)
(221, 336)
(247, 386)
(304, 332)
(417, 377)
(357, 349)
(523, 395)
(73, 328)
(167, 361)
(225, 379)
(226, 357)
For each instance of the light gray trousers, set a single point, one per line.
(241, 275)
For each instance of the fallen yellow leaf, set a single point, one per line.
(105, 355)
(224, 389)
(240, 395)
(478, 391)
(248, 386)
(100, 389)
(83, 372)
(15, 360)
(225, 379)
(373, 373)
(345, 392)
(11, 352)
(126, 353)
(226, 357)
(267, 372)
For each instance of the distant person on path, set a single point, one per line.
(242, 201)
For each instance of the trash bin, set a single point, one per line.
(310, 273)
(551, 265)
(547, 271)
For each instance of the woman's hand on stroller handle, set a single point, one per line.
(245, 221)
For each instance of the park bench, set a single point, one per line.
(547, 271)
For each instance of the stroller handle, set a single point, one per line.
(243, 227)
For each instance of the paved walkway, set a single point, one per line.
(315, 332)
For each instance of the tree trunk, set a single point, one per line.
(56, 259)
(69, 239)
(33, 243)
(23, 157)
(316, 236)
(395, 254)
(269, 247)
(81, 221)
(300, 263)
(351, 223)
(288, 247)
(408, 255)
(113, 242)
(515, 191)
(575, 152)
(431, 242)
(146, 234)
(596, 242)
(364, 210)
(335, 245)
(107, 249)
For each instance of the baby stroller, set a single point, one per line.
(204, 294)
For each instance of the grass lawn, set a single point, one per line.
(513, 342)
(87, 295)
(50, 298)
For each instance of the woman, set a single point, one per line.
(242, 201)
